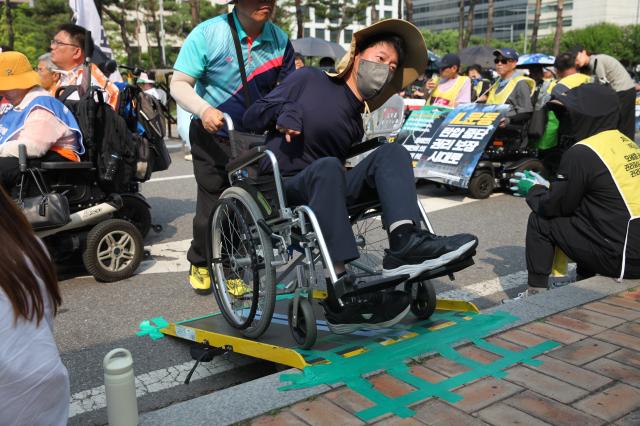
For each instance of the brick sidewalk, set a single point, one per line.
(592, 379)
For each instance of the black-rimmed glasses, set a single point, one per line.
(56, 43)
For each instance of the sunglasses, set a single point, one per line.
(501, 61)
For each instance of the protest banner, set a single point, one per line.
(419, 128)
(450, 153)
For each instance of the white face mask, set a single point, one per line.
(371, 78)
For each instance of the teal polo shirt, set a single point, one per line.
(209, 55)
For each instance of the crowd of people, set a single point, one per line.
(243, 65)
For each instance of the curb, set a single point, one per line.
(252, 399)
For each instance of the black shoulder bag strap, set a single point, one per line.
(243, 73)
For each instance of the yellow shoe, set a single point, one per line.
(200, 280)
(237, 288)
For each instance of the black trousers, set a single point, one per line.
(543, 235)
(10, 169)
(627, 123)
(385, 175)
(210, 157)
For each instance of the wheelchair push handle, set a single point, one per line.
(228, 122)
(22, 158)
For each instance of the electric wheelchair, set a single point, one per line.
(506, 153)
(259, 247)
(105, 218)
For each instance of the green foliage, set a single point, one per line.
(34, 27)
(446, 41)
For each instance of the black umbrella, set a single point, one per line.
(311, 46)
(481, 55)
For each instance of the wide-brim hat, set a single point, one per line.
(16, 72)
(416, 56)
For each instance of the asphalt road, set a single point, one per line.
(97, 317)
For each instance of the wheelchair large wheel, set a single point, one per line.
(371, 240)
(240, 263)
(113, 250)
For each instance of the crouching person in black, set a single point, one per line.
(313, 118)
(591, 206)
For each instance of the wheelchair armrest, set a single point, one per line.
(246, 158)
(368, 145)
(66, 165)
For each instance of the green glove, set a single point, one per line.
(523, 182)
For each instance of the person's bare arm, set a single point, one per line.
(182, 90)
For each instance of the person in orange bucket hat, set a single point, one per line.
(37, 120)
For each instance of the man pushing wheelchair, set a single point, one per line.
(312, 119)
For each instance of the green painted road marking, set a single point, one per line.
(392, 351)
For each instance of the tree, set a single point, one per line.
(195, 12)
(299, 19)
(558, 35)
(489, 34)
(467, 36)
(460, 24)
(536, 25)
(441, 42)
(9, 18)
(118, 13)
(375, 17)
(408, 10)
(33, 27)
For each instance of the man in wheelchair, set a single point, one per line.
(313, 119)
(37, 120)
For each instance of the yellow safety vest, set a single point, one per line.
(574, 80)
(621, 156)
(501, 98)
(449, 97)
(478, 89)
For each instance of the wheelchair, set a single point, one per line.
(508, 152)
(259, 247)
(106, 226)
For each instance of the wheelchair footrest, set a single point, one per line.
(446, 269)
(348, 286)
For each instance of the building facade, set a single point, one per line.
(512, 17)
(325, 28)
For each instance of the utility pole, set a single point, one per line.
(163, 57)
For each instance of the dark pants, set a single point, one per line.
(627, 123)
(210, 157)
(10, 169)
(543, 235)
(385, 175)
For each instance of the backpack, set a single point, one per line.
(144, 116)
(151, 115)
(108, 142)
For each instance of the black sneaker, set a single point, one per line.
(426, 251)
(372, 311)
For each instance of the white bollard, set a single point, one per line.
(120, 388)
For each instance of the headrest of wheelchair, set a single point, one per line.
(587, 110)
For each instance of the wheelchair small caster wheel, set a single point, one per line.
(157, 228)
(304, 332)
(423, 299)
